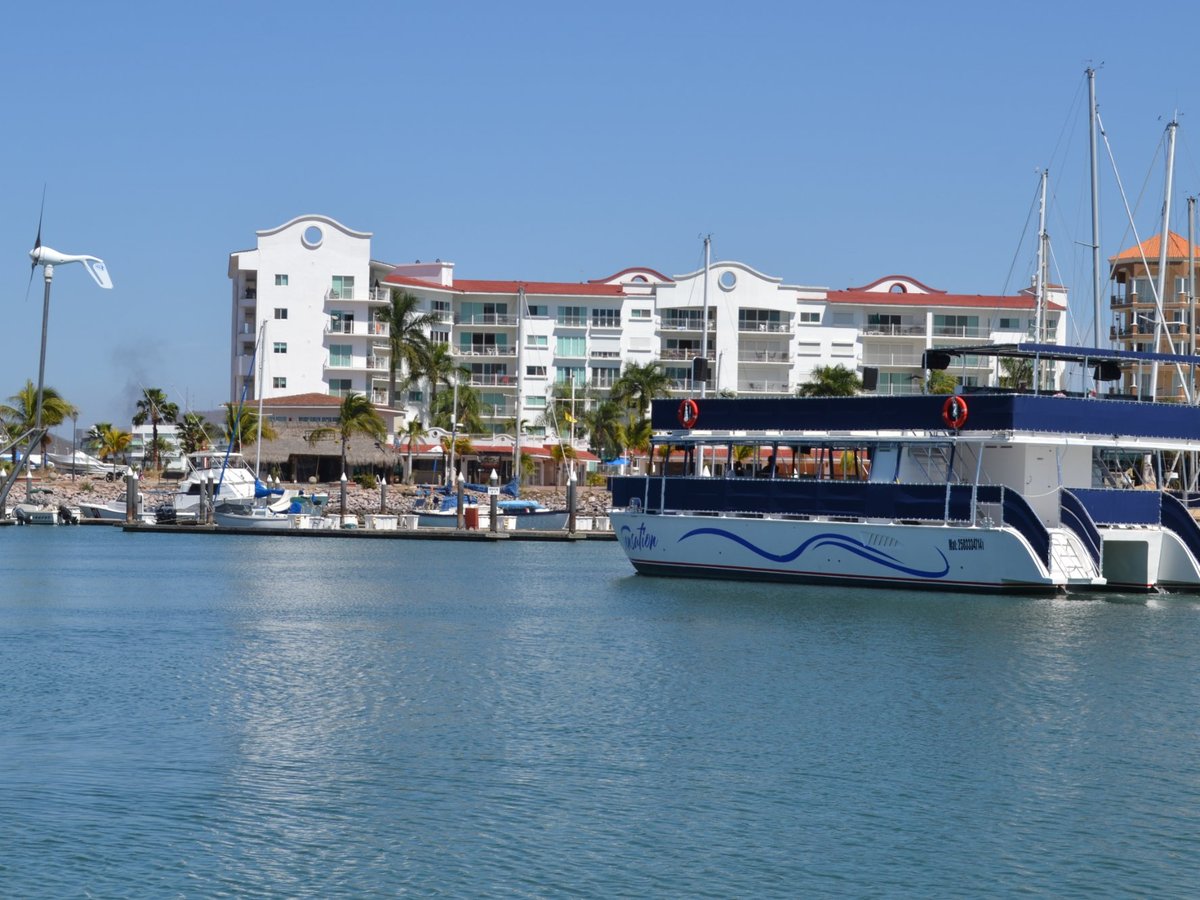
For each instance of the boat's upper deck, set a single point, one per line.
(986, 412)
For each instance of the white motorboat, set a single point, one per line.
(39, 509)
(993, 490)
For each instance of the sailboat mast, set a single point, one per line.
(520, 377)
(704, 320)
(1191, 282)
(1162, 255)
(262, 390)
(1039, 316)
(1092, 123)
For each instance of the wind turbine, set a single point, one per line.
(48, 258)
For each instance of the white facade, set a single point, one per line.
(314, 283)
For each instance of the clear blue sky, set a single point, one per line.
(826, 144)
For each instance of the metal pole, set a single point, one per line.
(74, 434)
(704, 320)
(1191, 224)
(459, 482)
(1091, 77)
(344, 479)
(37, 428)
(1162, 256)
(453, 431)
(1040, 283)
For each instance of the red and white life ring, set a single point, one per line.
(689, 413)
(954, 412)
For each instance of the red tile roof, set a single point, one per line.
(908, 278)
(313, 399)
(552, 288)
(1177, 248)
(639, 269)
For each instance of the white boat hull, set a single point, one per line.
(822, 551)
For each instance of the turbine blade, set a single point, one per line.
(38, 241)
(30, 285)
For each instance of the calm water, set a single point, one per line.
(191, 715)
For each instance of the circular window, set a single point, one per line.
(312, 237)
(727, 281)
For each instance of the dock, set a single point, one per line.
(411, 534)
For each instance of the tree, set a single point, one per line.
(1016, 373)
(830, 381)
(95, 436)
(468, 414)
(639, 384)
(414, 431)
(941, 382)
(113, 443)
(20, 413)
(356, 415)
(605, 429)
(242, 426)
(153, 407)
(196, 433)
(439, 369)
(407, 342)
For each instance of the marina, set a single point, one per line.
(249, 716)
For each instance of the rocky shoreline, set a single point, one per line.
(401, 498)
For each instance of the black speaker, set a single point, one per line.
(1107, 370)
(935, 359)
(699, 369)
(870, 378)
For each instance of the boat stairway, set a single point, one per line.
(1070, 562)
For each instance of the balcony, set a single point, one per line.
(486, 319)
(677, 353)
(379, 295)
(604, 354)
(379, 398)
(497, 411)
(373, 329)
(497, 350)
(765, 327)
(571, 321)
(764, 387)
(764, 356)
(377, 363)
(894, 331)
(478, 380)
(606, 326)
(685, 325)
(873, 356)
(969, 332)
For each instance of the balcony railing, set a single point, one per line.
(764, 387)
(959, 331)
(494, 380)
(497, 350)
(492, 319)
(676, 353)
(376, 329)
(684, 325)
(355, 295)
(894, 330)
(894, 390)
(377, 363)
(764, 356)
(379, 398)
(767, 327)
(874, 357)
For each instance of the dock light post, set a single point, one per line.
(494, 501)
(344, 480)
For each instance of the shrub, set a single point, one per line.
(365, 480)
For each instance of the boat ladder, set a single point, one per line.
(1070, 562)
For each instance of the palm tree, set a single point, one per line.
(639, 384)
(637, 436)
(195, 433)
(356, 415)
(414, 431)
(830, 381)
(95, 436)
(468, 414)
(1016, 373)
(154, 408)
(941, 382)
(113, 443)
(438, 367)
(407, 341)
(242, 426)
(605, 429)
(20, 413)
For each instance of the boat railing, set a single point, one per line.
(1074, 515)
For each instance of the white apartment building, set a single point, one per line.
(312, 289)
